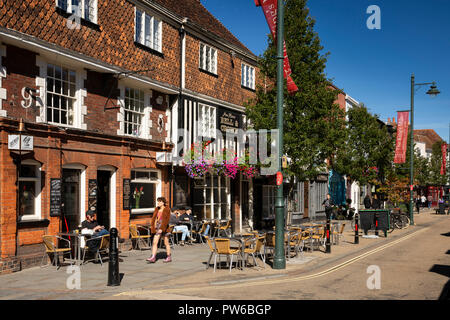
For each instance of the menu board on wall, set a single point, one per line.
(92, 195)
(126, 194)
(55, 197)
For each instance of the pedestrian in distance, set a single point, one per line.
(159, 225)
(367, 202)
(424, 200)
(328, 204)
(418, 201)
(430, 201)
(376, 204)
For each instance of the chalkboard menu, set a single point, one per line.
(126, 194)
(92, 198)
(55, 197)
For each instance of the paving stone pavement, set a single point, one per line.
(139, 278)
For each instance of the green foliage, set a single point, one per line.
(369, 149)
(435, 177)
(314, 127)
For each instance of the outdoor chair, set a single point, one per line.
(302, 241)
(261, 240)
(199, 234)
(51, 248)
(291, 242)
(212, 249)
(137, 238)
(318, 237)
(338, 234)
(249, 249)
(102, 248)
(269, 244)
(226, 229)
(222, 246)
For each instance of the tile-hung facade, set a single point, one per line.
(101, 87)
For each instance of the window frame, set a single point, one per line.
(145, 40)
(142, 114)
(244, 76)
(203, 56)
(37, 187)
(81, 13)
(75, 98)
(157, 182)
(207, 120)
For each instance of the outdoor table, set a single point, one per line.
(241, 239)
(77, 243)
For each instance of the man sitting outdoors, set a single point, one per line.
(91, 226)
(175, 220)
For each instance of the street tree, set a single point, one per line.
(314, 126)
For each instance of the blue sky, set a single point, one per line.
(372, 66)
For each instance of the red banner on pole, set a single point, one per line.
(402, 137)
(444, 158)
(270, 12)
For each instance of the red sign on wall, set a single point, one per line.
(402, 137)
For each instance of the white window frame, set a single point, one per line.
(207, 120)
(207, 53)
(71, 8)
(76, 122)
(37, 187)
(247, 76)
(142, 114)
(145, 34)
(204, 188)
(269, 196)
(157, 181)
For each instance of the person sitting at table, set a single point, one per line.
(174, 220)
(188, 216)
(91, 226)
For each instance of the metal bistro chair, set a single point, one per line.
(318, 238)
(222, 246)
(338, 234)
(226, 228)
(53, 249)
(211, 248)
(102, 248)
(137, 238)
(199, 234)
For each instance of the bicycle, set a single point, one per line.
(398, 220)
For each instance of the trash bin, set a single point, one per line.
(441, 208)
(377, 219)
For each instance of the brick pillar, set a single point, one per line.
(8, 200)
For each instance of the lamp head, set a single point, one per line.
(433, 90)
(21, 125)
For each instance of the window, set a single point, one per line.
(60, 101)
(134, 111)
(211, 197)
(248, 76)
(269, 196)
(207, 121)
(148, 30)
(145, 187)
(208, 58)
(29, 191)
(86, 9)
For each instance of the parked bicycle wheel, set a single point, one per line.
(405, 221)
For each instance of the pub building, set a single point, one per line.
(90, 104)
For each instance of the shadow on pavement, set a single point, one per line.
(446, 234)
(445, 271)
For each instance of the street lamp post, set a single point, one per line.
(279, 261)
(433, 91)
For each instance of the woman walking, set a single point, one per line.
(159, 224)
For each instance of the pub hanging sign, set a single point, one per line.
(228, 121)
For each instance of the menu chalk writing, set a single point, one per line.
(55, 197)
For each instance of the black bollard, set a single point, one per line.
(376, 224)
(113, 268)
(356, 228)
(328, 243)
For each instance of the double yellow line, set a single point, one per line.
(301, 278)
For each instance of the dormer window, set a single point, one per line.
(85, 9)
(148, 30)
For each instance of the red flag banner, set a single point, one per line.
(444, 158)
(402, 137)
(270, 12)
